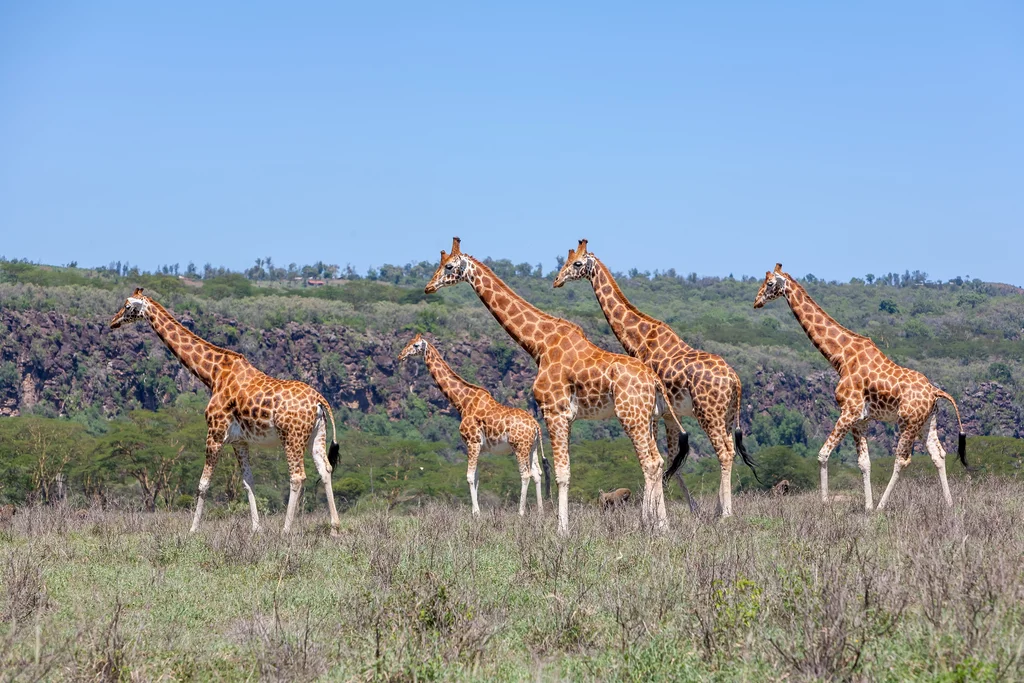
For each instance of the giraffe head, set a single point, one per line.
(776, 284)
(454, 268)
(134, 309)
(417, 346)
(578, 266)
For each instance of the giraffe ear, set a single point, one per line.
(778, 267)
(455, 245)
(767, 275)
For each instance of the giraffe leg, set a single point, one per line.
(535, 474)
(558, 430)
(904, 449)
(843, 425)
(672, 435)
(323, 468)
(523, 456)
(295, 449)
(930, 435)
(472, 475)
(652, 507)
(657, 472)
(723, 445)
(863, 462)
(242, 453)
(217, 429)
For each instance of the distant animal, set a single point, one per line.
(246, 406)
(7, 513)
(781, 488)
(871, 387)
(614, 499)
(487, 426)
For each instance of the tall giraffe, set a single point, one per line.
(575, 379)
(700, 384)
(246, 407)
(871, 387)
(487, 426)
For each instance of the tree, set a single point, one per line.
(148, 447)
(888, 306)
(52, 450)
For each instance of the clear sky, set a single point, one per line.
(716, 137)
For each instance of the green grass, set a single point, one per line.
(790, 589)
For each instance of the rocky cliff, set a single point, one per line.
(59, 363)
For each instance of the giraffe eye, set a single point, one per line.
(578, 263)
(448, 266)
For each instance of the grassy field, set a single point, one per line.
(790, 589)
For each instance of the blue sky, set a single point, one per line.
(839, 138)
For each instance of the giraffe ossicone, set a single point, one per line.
(246, 406)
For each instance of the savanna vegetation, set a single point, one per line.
(791, 589)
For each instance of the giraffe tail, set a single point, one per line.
(332, 453)
(961, 443)
(684, 438)
(737, 436)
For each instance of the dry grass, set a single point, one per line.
(789, 589)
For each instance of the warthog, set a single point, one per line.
(614, 498)
(781, 489)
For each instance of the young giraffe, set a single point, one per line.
(246, 407)
(487, 426)
(871, 387)
(700, 384)
(575, 379)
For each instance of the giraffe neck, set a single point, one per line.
(519, 318)
(822, 328)
(623, 317)
(456, 389)
(187, 347)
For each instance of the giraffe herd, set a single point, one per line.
(660, 377)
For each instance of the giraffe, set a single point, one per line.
(871, 387)
(575, 379)
(246, 407)
(700, 384)
(487, 426)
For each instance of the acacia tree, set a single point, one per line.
(53, 446)
(148, 447)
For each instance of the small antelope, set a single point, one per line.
(614, 499)
(781, 488)
(7, 513)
